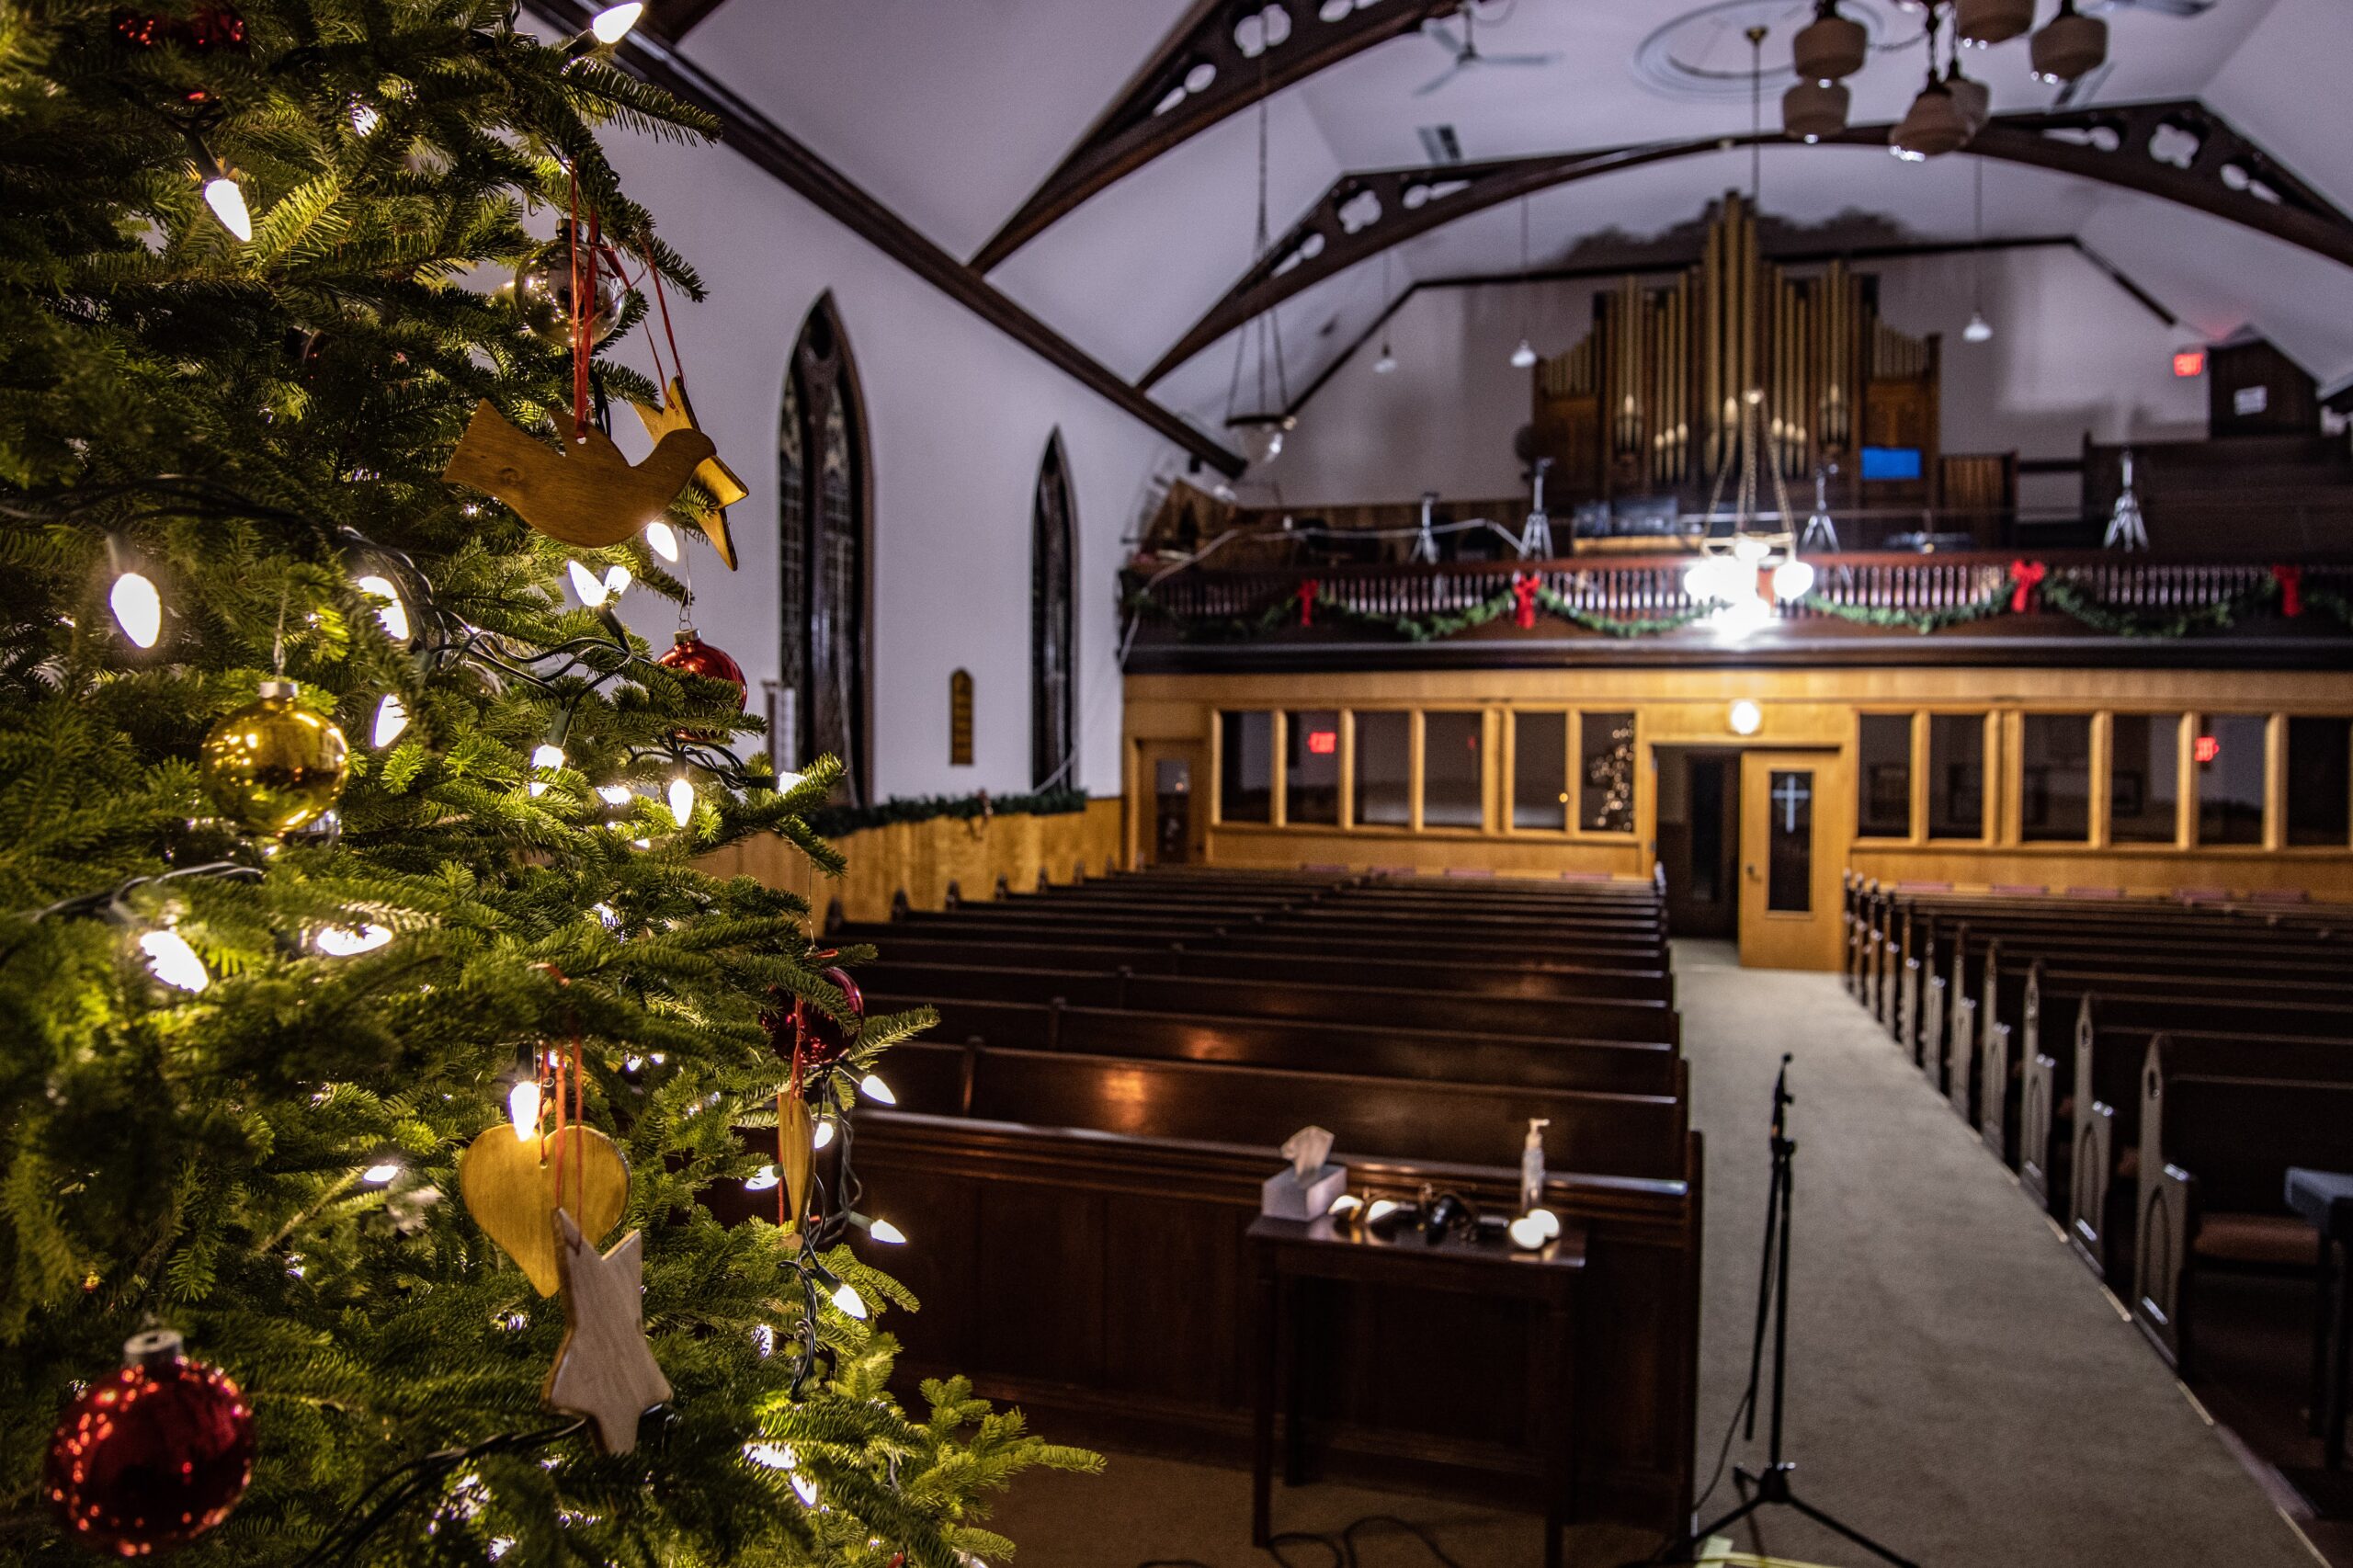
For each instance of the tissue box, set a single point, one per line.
(1282, 1197)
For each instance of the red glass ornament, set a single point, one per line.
(691, 656)
(828, 1042)
(153, 1456)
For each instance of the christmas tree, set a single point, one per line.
(306, 1045)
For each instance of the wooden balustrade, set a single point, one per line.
(1650, 588)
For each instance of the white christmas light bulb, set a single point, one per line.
(761, 1180)
(617, 578)
(344, 941)
(228, 204)
(1792, 580)
(376, 1175)
(824, 1133)
(849, 1301)
(875, 1089)
(138, 608)
(391, 718)
(584, 583)
(614, 794)
(523, 1109)
(392, 613)
(682, 801)
(173, 961)
(663, 539)
(364, 118)
(805, 1486)
(883, 1231)
(548, 758)
(612, 24)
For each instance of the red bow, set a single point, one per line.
(1308, 589)
(2025, 577)
(1524, 588)
(2291, 589)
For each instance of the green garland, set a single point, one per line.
(2056, 593)
(1922, 621)
(833, 822)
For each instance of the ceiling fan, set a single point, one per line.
(1466, 53)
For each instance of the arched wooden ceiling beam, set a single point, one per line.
(1161, 106)
(674, 19)
(2180, 151)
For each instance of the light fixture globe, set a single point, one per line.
(1830, 46)
(1260, 435)
(1931, 127)
(2069, 45)
(1986, 22)
(1811, 111)
(1974, 98)
(1524, 357)
(1979, 329)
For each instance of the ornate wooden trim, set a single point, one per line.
(775, 151)
(2219, 172)
(1160, 109)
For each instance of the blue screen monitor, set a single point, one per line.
(1891, 462)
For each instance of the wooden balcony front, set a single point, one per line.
(2066, 608)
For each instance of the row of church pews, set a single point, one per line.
(2151, 1070)
(1082, 1140)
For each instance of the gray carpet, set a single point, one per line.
(1960, 1387)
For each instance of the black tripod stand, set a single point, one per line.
(1771, 1485)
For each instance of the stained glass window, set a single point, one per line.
(822, 517)
(1051, 663)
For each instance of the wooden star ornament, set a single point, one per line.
(712, 473)
(605, 1370)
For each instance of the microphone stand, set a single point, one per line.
(1770, 1487)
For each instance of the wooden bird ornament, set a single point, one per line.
(587, 494)
(712, 473)
(605, 1370)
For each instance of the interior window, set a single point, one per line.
(1957, 776)
(1452, 771)
(1884, 752)
(2229, 753)
(2056, 776)
(2143, 777)
(1384, 769)
(1606, 772)
(1540, 770)
(1246, 772)
(1311, 768)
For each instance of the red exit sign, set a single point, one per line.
(2206, 748)
(1323, 742)
(2189, 362)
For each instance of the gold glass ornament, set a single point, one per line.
(541, 295)
(273, 765)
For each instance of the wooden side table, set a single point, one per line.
(1283, 1251)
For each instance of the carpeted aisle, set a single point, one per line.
(1960, 1387)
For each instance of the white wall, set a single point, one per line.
(959, 416)
(2072, 352)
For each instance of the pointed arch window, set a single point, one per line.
(823, 528)
(1052, 670)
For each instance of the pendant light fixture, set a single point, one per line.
(1260, 432)
(1524, 357)
(1934, 125)
(1388, 362)
(1811, 111)
(2069, 45)
(1829, 47)
(1988, 22)
(1979, 329)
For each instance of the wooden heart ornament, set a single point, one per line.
(510, 1187)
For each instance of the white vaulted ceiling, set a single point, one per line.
(953, 111)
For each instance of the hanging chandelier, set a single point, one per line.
(1260, 429)
(1951, 108)
(1725, 580)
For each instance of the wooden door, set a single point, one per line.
(1172, 777)
(1791, 811)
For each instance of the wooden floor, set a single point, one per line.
(1960, 1388)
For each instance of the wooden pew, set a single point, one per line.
(2098, 1105)
(1469, 1123)
(1614, 1066)
(1490, 979)
(2220, 1122)
(1396, 1007)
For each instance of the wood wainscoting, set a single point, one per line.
(2014, 808)
(923, 860)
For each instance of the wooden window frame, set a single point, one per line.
(1991, 809)
(1510, 769)
(1915, 785)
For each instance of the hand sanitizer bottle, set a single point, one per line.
(1531, 1165)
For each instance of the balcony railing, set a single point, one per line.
(2078, 593)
